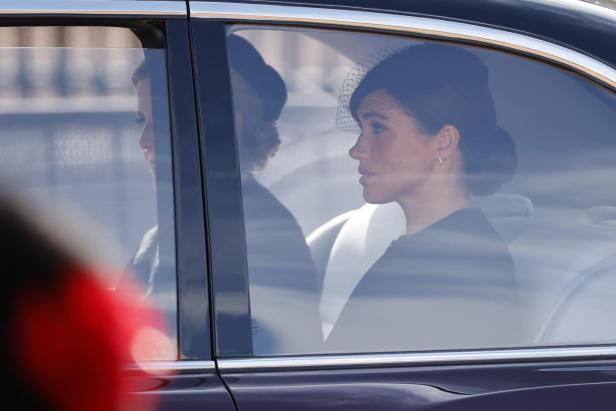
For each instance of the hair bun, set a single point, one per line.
(495, 167)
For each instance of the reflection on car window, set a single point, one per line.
(85, 121)
(282, 270)
(452, 197)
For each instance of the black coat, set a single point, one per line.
(451, 285)
(282, 278)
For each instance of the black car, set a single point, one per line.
(398, 205)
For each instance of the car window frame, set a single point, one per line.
(511, 42)
(193, 309)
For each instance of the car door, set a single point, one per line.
(272, 195)
(99, 116)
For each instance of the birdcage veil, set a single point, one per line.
(344, 118)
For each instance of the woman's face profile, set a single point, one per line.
(144, 107)
(395, 157)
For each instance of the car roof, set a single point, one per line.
(412, 5)
(580, 25)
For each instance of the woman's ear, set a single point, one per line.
(447, 141)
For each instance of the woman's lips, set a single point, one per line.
(150, 159)
(365, 176)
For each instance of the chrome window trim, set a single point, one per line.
(165, 367)
(424, 26)
(132, 8)
(417, 359)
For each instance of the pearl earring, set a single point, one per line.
(440, 160)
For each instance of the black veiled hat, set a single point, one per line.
(266, 81)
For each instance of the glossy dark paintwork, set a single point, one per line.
(558, 22)
(223, 190)
(196, 391)
(537, 386)
(194, 318)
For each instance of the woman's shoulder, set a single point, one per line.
(469, 233)
(466, 227)
(462, 244)
(466, 219)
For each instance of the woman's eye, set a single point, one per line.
(378, 128)
(140, 118)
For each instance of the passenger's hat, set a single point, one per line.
(266, 81)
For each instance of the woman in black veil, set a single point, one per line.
(430, 139)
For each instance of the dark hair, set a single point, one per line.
(266, 81)
(271, 91)
(440, 85)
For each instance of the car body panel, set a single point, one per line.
(185, 391)
(562, 386)
(580, 25)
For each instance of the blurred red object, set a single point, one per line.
(73, 341)
(67, 339)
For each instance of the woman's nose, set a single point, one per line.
(360, 150)
(146, 141)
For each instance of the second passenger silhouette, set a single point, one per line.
(283, 288)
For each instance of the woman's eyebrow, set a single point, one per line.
(371, 114)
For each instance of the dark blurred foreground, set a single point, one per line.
(66, 338)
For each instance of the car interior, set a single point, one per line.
(557, 214)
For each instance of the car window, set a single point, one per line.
(85, 129)
(405, 194)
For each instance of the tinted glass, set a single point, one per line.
(84, 114)
(403, 195)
